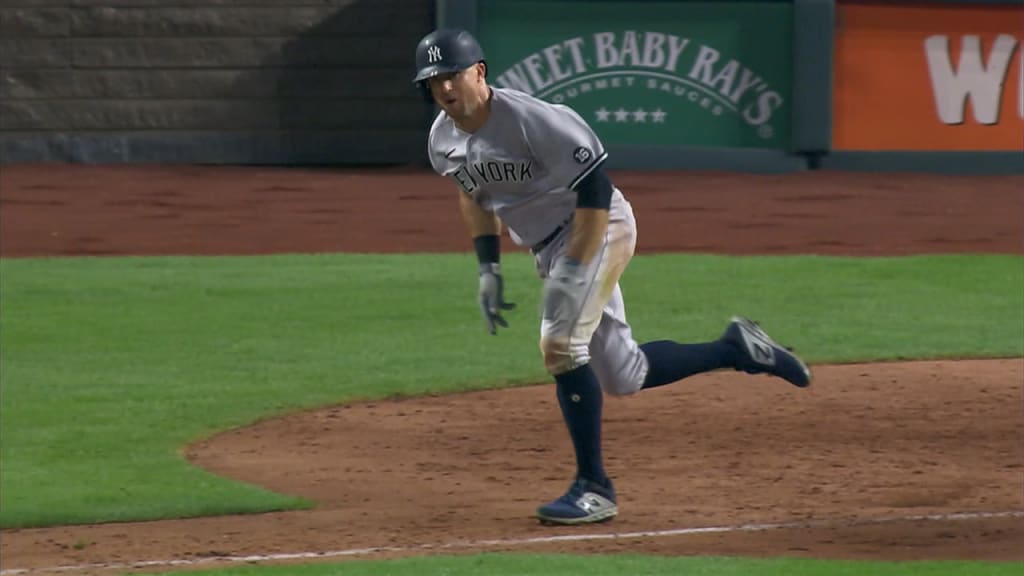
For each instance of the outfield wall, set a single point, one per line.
(763, 86)
(933, 86)
(211, 81)
(848, 84)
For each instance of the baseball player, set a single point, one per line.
(537, 167)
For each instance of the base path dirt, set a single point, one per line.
(914, 460)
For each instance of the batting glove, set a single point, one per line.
(492, 297)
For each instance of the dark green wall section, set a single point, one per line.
(813, 31)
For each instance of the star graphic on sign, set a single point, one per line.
(640, 115)
(658, 116)
(602, 114)
(621, 115)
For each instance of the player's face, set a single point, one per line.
(461, 94)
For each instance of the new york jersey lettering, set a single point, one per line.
(491, 171)
(465, 180)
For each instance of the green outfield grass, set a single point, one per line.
(111, 365)
(621, 565)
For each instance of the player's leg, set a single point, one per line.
(624, 367)
(744, 346)
(565, 343)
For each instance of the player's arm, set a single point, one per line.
(479, 221)
(483, 226)
(590, 223)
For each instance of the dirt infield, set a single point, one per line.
(915, 460)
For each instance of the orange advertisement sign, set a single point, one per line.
(928, 77)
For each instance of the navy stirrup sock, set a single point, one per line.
(580, 396)
(670, 361)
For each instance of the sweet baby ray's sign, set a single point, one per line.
(929, 77)
(663, 73)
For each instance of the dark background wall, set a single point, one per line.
(212, 81)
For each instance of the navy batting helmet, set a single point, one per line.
(446, 50)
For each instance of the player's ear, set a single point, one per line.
(482, 68)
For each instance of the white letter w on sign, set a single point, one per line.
(972, 77)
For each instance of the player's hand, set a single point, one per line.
(492, 297)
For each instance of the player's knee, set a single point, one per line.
(559, 356)
(621, 387)
(623, 378)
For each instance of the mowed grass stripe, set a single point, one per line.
(111, 365)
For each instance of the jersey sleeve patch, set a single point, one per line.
(560, 139)
(582, 155)
(593, 164)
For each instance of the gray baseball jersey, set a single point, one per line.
(522, 163)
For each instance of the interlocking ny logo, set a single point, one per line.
(434, 54)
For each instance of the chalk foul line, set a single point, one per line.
(508, 543)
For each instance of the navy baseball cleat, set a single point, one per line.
(586, 502)
(759, 354)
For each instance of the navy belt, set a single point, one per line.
(551, 237)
